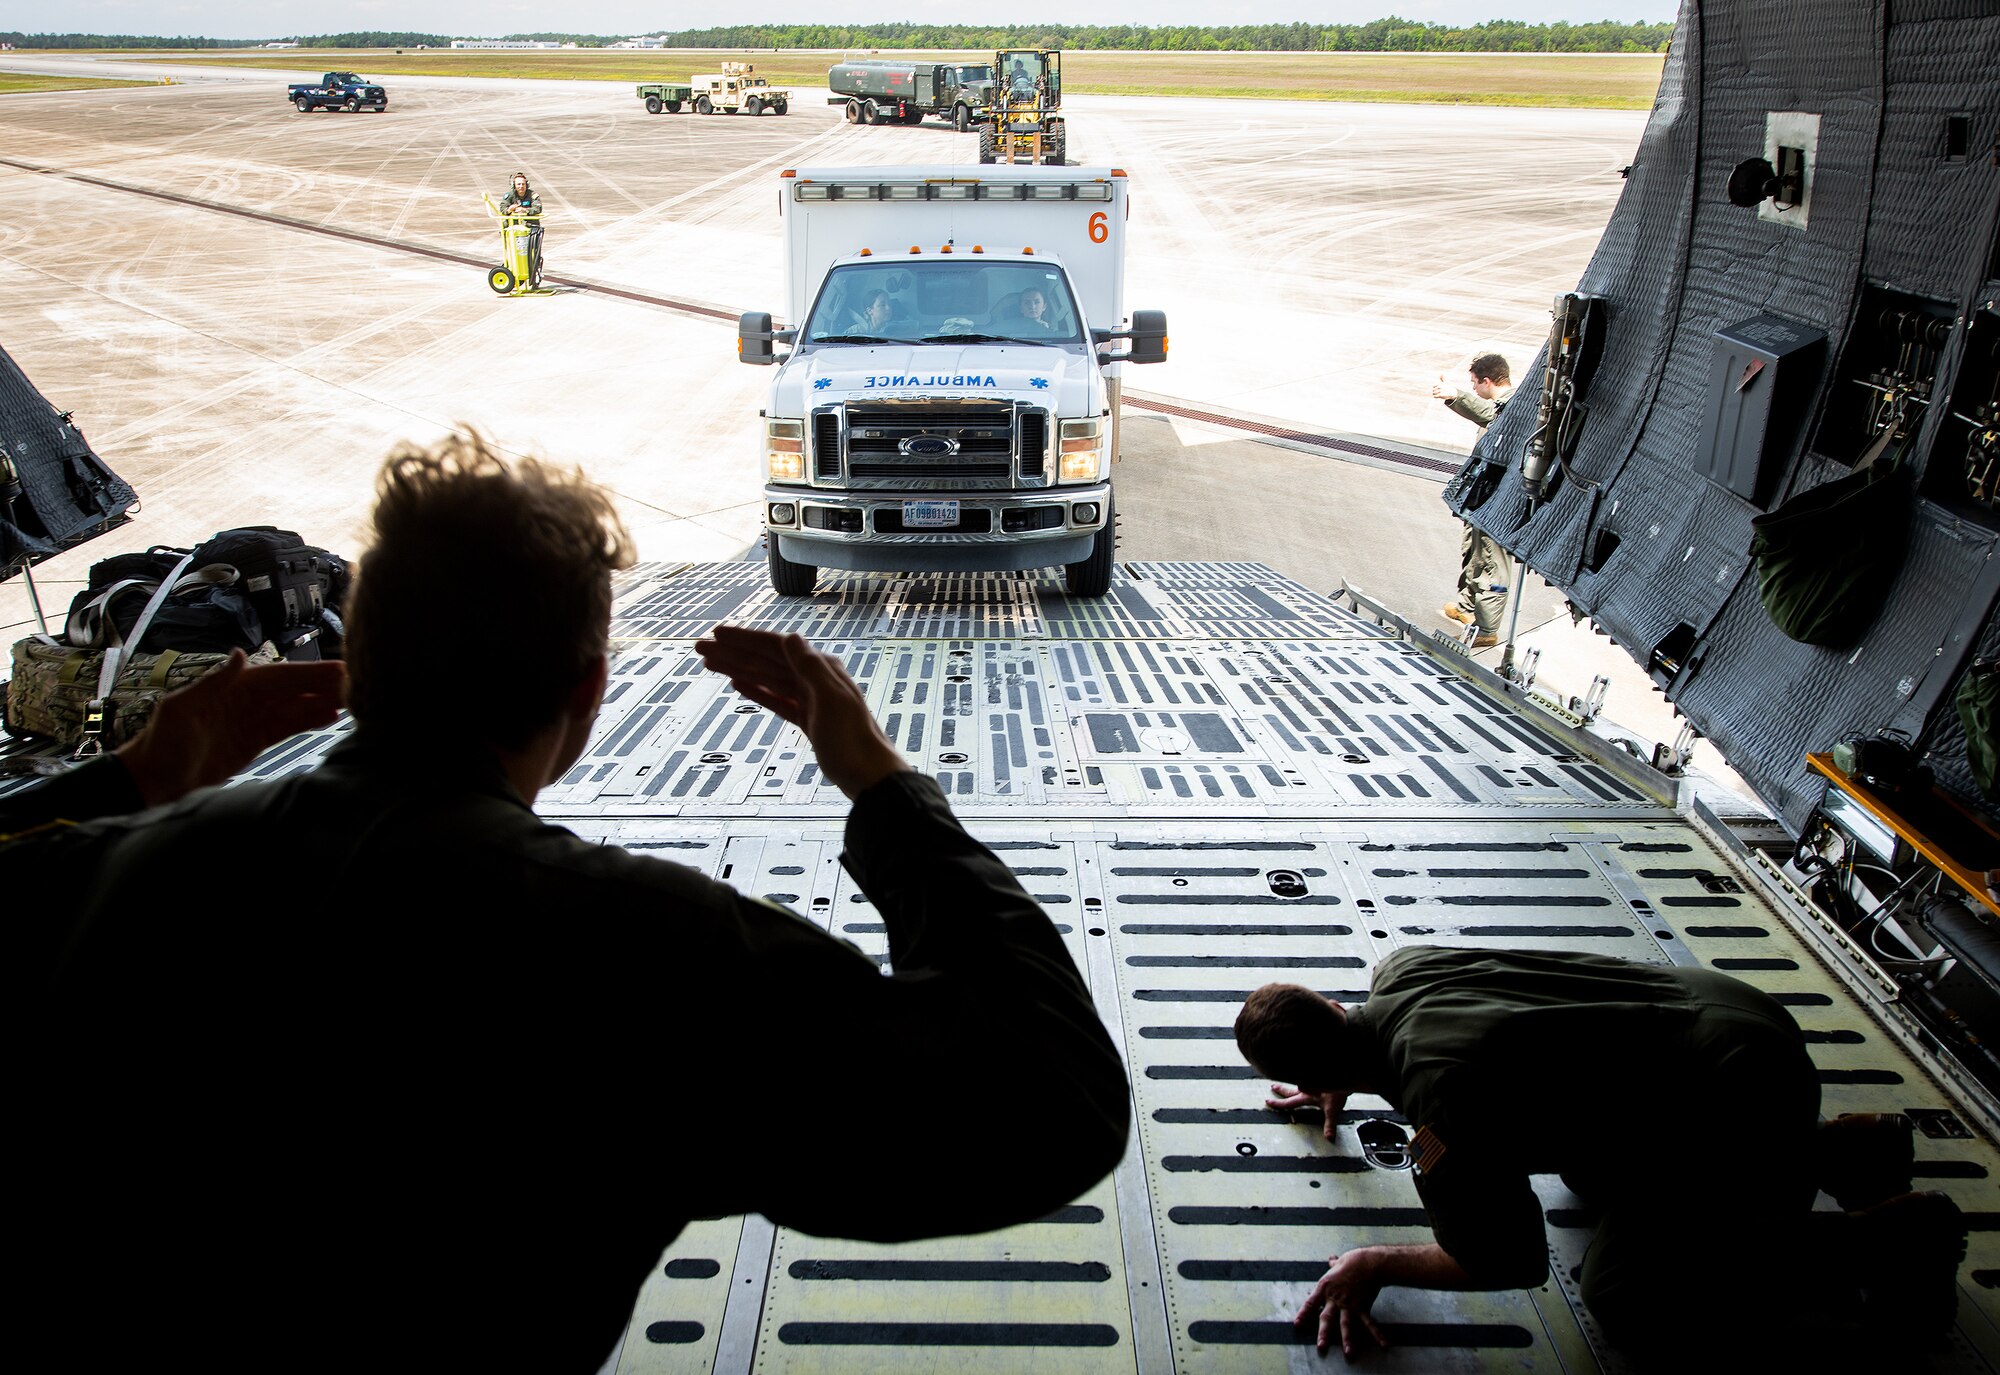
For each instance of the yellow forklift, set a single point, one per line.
(1024, 125)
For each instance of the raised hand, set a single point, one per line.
(213, 727)
(811, 690)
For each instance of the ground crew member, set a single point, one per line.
(1679, 1103)
(520, 200)
(1484, 569)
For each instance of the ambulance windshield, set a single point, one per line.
(943, 300)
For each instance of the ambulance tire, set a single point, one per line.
(1091, 576)
(788, 579)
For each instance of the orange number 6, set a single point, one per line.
(1100, 228)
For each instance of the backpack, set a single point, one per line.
(292, 585)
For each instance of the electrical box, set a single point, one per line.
(1760, 379)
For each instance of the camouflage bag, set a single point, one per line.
(53, 685)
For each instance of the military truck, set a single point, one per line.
(338, 91)
(1027, 92)
(663, 96)
(905, 92)
(737, 87)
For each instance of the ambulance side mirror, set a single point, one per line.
(1148, 335)
(754, 337)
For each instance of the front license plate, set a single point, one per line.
(929, 515)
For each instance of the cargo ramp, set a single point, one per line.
(1211, 779)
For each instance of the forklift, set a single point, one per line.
(1024, 125)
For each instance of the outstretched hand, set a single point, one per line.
(812, 691)
(210, 729)
(1345, 1294)
(1284, 1098)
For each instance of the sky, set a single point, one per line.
(276, 18)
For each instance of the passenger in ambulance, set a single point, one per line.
(872, 314)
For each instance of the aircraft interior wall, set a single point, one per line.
(1898, 241)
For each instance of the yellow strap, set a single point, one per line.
(158, 677)
(72, 669)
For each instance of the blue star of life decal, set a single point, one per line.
(822, 383)
(1038, 383)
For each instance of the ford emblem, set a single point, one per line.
(927, 446)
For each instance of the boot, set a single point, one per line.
(1864, 1158)
(1908, 1251)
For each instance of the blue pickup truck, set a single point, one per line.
(338, 91)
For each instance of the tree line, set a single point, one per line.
(1381, 35)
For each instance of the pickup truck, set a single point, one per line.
(338, 91)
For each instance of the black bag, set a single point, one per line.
(207, 613)
(291, 584)
(1827, 558)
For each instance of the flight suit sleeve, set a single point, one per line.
(1483, 1210)
(1473, 407)
(973, 1088)
(101, 787)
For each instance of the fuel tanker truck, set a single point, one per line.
(905, 92)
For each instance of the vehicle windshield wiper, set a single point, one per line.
(970, 339)
(852, 339)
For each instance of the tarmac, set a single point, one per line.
(247, 307)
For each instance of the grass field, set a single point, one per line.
(1613, 81)
(12, 83)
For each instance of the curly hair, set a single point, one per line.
(485, 595)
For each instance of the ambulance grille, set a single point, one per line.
(1034, 443)
(826, 444)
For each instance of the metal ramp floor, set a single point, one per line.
(1211, 779)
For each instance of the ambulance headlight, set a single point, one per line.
(1082, 455)
(785, 450)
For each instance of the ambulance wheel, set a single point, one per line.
(1091, 576)
(989, 146)
(961, 118)
(654, 105)
(304, 106)
(673, 107)
(753, 106)
(702, 107)
(500, 279)
(789, 579)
